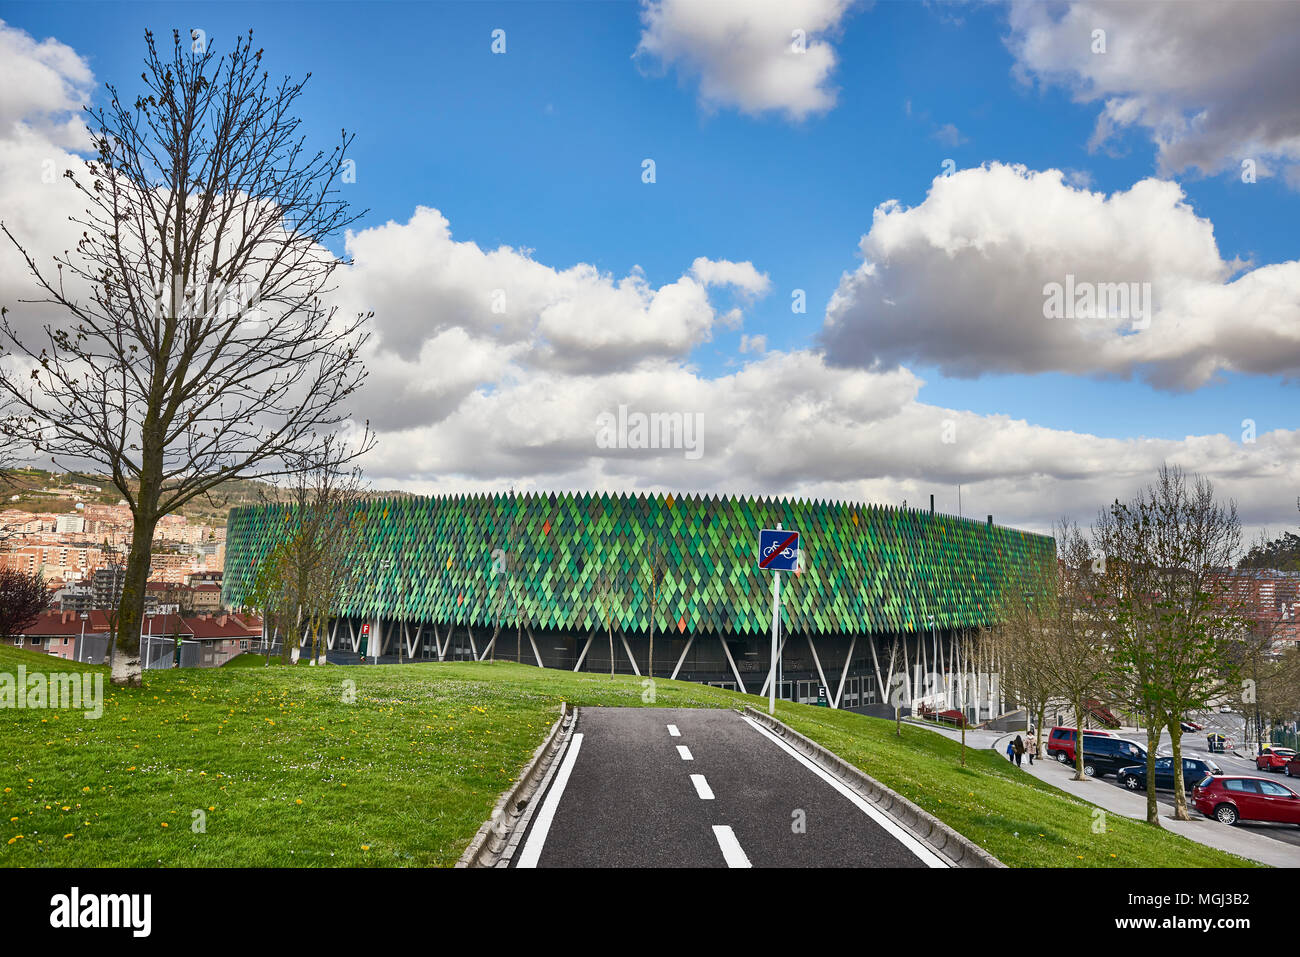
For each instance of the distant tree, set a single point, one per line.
(505, 563)
(197, 345)
(655, 570)
(1174, 632)
(604, 591)
(310, 572)
(10, 450)
(23, 598)
(1282, 553)
(1072, 656)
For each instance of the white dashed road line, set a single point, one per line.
(732, 852)
(702, 787)
(685, 752)
(673, 732)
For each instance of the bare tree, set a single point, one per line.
(306, 577)
(1174, 632)
(197, 346)
(654, 583)
(11, 428)
(604, 590)
(1073, 658)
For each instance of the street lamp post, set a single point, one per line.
(82, 643)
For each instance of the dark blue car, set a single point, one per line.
(1194, 770)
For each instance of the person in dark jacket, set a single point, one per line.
(1019, 746)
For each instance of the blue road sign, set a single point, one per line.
(778, 550)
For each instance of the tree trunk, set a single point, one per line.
(1038, 730)
(126, 657)
(1180, 795)
(294, 653)
(1078, 740)
(1153, 739)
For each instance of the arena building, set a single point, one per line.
(882, 599)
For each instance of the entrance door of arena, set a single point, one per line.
(807, 692)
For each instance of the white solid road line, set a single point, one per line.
(702, 787)
(537, 837)
(732, 852)
(685, 752)
(927, 856)
(673, 732)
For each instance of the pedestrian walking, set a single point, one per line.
(1033, 749)
(1019, 746)
(1011, 752)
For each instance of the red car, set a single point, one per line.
(1229, 799)
(1273, 759)
(1292, 769)
(1060, 743)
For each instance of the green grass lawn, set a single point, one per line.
(298, 767)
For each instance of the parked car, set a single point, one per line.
(1060, 743)
(1273, 758)
(1194, 771)
(1230, 799)
(1292, 769)
(1105, 754)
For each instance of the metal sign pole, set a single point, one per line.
(776, 621)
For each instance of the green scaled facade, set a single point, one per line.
(483, 559)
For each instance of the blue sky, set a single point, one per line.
(541, 148)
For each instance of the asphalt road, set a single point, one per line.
(721, 792)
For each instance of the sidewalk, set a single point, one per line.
(1235, 840)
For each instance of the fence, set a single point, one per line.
(160, 652)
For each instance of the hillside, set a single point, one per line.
(36, 490)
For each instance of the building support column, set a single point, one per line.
(536, 653)
(876, 663)
(818, 662)
(845, 673)
(681, 660)
(731, 661)
(635, 670)
(582, 657)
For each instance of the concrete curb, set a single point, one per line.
(494, 837)
(960, 850)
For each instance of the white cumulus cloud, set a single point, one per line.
(1212, 83)
(758, 56)
(961, 280)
